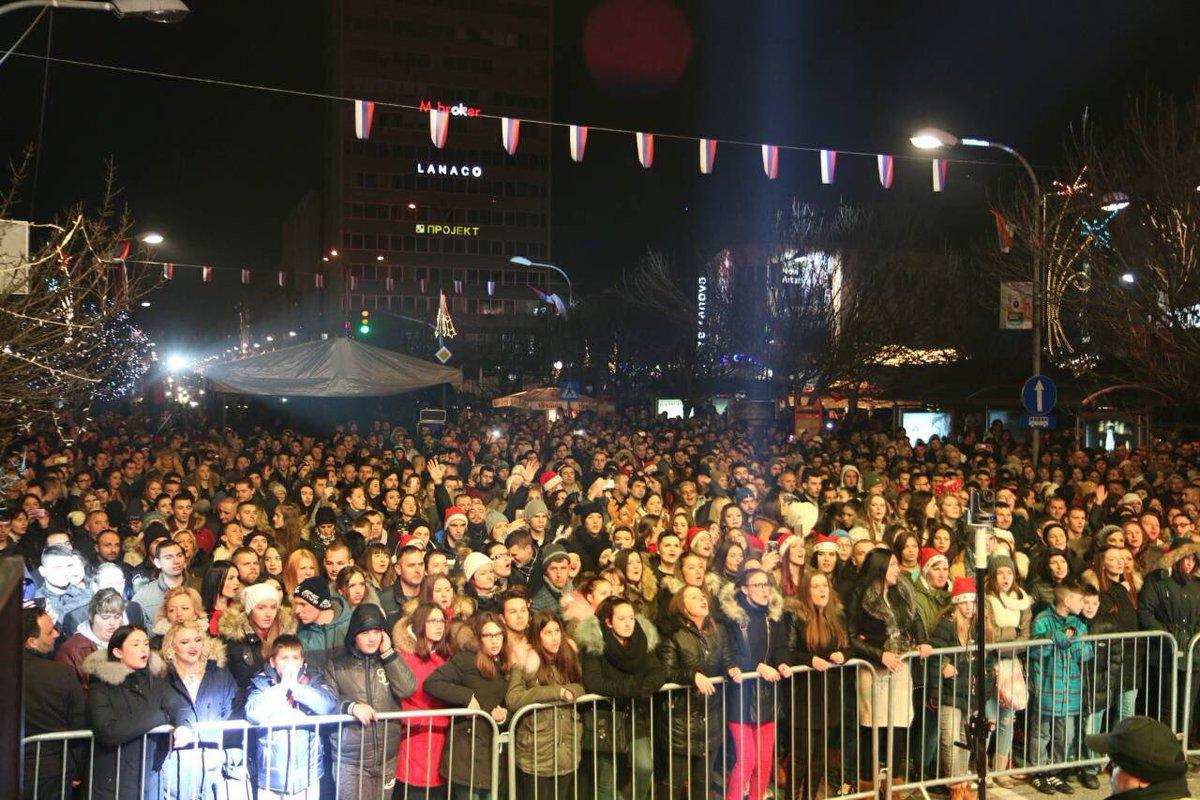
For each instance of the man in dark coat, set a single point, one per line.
(53, 702)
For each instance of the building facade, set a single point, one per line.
(404, 221)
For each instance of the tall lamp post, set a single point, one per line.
(934, 138)
(522, 261)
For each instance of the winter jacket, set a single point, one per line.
(958, 691)
(629, 673)
(930, 602)
(200, 769)
(878, 626)
(287, 760)
(1056, 669)
(467, 759)
(75, 650)
(324, 641)
(695, 719)
(380, 680)
(1009, 617)
(53, 701)
(423, 737)
(123, 704)
(818, 695)
(1171, 603)
(243, 646)
(755, 635)
(547, 741)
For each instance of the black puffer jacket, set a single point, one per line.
(380, 680)
(630, 673)
(1171, 603)
(123, 704)
(695, 719)
(466, 758)
(756, 635)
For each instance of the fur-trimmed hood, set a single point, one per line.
(712, 582)
(234, 623)
(732, 610)
(590, 637)
(114, 673)
(529, 661)
(1173, 557)
(1089, 577)
(462, 607)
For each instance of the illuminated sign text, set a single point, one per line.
(456, 110)
(458, 170)
(447, 230)
(701, 309)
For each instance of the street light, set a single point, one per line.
(1114, 201)
(522, 261)
(152, 238)
(933, 138)
(153, 10)
(1127, 277)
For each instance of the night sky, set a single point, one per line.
(217, 169)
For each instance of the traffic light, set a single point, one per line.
(364, 321)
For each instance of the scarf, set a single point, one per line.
(629, 658)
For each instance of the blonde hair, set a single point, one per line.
(168, 642)
(177, 591)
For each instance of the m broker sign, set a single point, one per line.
(456, 110)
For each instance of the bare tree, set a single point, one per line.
(67, 336)
(1121, 247)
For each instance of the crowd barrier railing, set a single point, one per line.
(1042, 698)
(851, 729)
(1191, 745)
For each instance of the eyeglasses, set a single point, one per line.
(498, 635)
(502, 557)
(759, 585)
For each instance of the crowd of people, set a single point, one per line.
(794, 588)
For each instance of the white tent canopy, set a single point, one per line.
(337, 367)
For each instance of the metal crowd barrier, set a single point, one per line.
(1104, 679)
(1191, 745)
(831, 733)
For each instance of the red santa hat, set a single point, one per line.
(963, 591)
(550, 481)
(454, 513)
(826, 544)
(930, 557)
(692, 533)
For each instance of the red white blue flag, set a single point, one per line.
(577, 135)
(439, 126)
(645, 148)
(770, 157)
(491, 286)
(389, 284)
(939, 174)
(1003, 232)
(887, 170)
(828, 165)
(206, 274)
(458, 286)
(168, 272)
(364, 115)
(282, 278)
(708, 155)
(245, 276)
(510, 132)
(318, 280)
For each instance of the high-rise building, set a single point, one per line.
(409, 220)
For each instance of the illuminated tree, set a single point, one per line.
(64, 323)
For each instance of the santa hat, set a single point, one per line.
(550, 481)
(692, 533)
(929, 558)
(826, 544)
(963, 591)
(786, 540)
(454, 513)
(415, 541)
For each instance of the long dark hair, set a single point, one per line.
(214, 580)
(823, 628)
(417, 622)
(875, 567)
(560, 667)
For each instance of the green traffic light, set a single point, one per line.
(364, 328)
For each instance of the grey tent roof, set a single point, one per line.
(337, 367)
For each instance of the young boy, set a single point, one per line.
(1101, 684)
(289, 762)
(1056, 682)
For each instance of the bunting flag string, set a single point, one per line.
(245, 276)
(491, 288)
(828, 165)
(168, 272)
(770, 159)
(887, 170)
(510, 133)
(577, 134)
(364, 116)
(708, 155)
(458, 286)
(389, 284)
(282, 279)
(206, 274)
(318, 280)
(939, 174)
(439, 126)
(645, 149)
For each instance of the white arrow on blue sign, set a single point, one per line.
(1039, 394)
